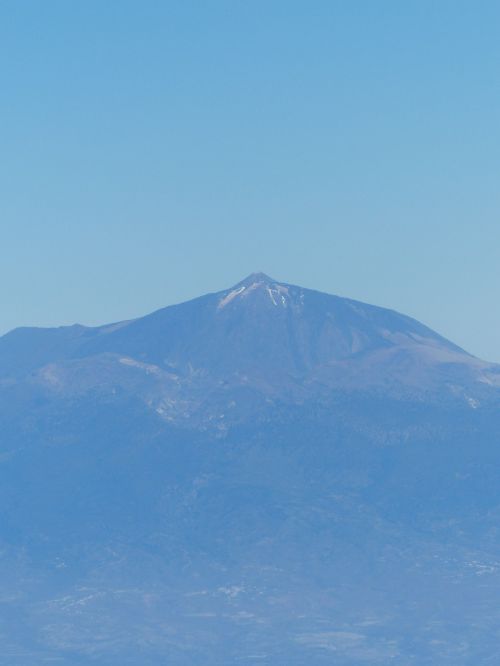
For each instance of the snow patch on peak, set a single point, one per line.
(270, 292)
(229, 297)
(278, 294)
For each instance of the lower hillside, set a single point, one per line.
(365, 532)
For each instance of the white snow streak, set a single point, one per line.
(227, 299)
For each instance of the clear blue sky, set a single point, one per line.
(152, 151)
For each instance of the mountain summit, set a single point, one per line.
(257, 278)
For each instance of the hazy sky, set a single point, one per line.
(153, 151)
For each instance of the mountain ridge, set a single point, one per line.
(268, 340)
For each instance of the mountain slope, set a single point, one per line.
(260, 341)
(266, 475)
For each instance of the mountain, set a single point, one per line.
(267, 474)
(259, 342)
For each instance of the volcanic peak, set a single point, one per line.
(276, 291)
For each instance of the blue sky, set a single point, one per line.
(153, 151)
